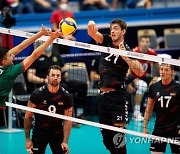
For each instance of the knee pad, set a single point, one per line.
(141, 87)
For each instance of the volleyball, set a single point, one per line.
(68, 26)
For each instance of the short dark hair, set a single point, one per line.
(120, 22)
(55, 67)
(3, 52)
(144, 36)
(171, 66)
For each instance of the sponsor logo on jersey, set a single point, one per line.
(60, 103)
(45, 102)
(173, 94)
(158, 94)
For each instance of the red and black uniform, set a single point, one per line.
(48, 129)
(167, 114)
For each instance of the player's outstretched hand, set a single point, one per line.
(65, 147)
(45, 31)
(92, 28)
(56, 34)
(121, 46)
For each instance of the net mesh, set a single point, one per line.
(80, 77)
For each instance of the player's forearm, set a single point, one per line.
(26, 43)
(148, 111)
(35, 79)
(37, 52)
(98, 37)
(67, 130)
(135, 66)
(147, 117)
(27, 127)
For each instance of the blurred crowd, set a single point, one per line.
(42, 6)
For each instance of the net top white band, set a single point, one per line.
(95, 47)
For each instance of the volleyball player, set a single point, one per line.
(9, 71)
(55, 99)
(113, 107)
(164, 96)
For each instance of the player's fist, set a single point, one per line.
(92, 28)
(121, 46)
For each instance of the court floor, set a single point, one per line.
(83, 140)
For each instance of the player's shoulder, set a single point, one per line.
(127, 47)
(152, 51)
(156, 85)
(64, 91)
(136, 49)
(177, 83)
(39, 91)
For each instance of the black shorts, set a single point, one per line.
(159, 146)
(113, 108)
(40, 142)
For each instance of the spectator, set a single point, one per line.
(42, 6)
(59, 14)
(93, 4)
(139, 3)
(21, 6)
(133, 3)
(114, 5)
(141, 84)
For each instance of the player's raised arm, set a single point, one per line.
(134, 64)
(93, 32)
(38, 51)
(17, 49)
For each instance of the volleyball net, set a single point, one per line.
(78, 68)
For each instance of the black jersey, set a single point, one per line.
(167, 106)
(55, 103)
(43, 63)
(112, 68)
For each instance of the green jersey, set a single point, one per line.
(7, 77)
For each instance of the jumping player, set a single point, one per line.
(9, 71)
(164, 96)
(113, 107)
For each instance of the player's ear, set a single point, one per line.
(3, 62)
(124, 31)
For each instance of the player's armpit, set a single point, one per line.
(68, 112)
(29, 114)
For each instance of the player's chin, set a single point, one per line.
(54, 83)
